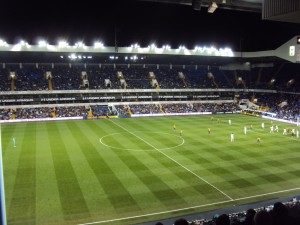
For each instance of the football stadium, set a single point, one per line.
(96, 134)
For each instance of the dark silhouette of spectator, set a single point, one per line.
(280, 214)
(181, 222)
(223, 220)
(249, 217)
(262, 218)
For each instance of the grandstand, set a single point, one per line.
(104, 159)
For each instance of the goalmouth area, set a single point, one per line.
(128, 171)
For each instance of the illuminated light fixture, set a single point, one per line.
(135, 46)
(213, 6)
(73, 56)
(168, 47)
(79, 44)
(3, 43)
(153, 46)
(63, 44)
(223, 1)
(22, 43)
(42, 43)
(98, 44)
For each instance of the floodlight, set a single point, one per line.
(42, 43)
(168, 47)
(3, 43)
(62, 44)
(98, 44)
(79, 44)
(213, 6)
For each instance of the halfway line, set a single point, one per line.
(173, 160)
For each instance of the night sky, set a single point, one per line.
(139, 22)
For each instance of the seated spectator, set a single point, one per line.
(223, 220)
(181, 222)
(262, 218)
(249, 217)
(280, 214)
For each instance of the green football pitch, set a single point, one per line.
(126, 171)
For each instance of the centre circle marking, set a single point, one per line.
(139, 150)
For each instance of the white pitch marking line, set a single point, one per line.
(139, 150)
(174, 161)
(192, 207)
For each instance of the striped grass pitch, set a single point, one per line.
(126, 171)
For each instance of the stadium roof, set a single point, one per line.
(280, 10)
(145, 21)
(240, 5)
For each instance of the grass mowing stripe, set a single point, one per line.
(118, 195)
(164, 193)
(92, 191)
(48, 207)
(174, 161)
(23, 205)
(259, 165)
(7, 138)
(139, 191)
(192, 207)
(206, 191)
(71, 198)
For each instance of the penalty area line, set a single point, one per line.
(187, 208)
